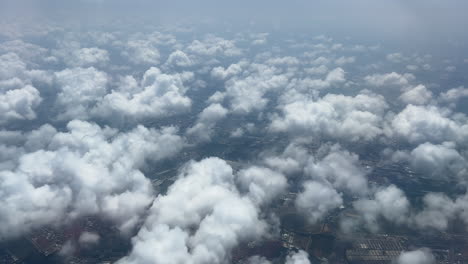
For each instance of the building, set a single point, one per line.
(376, 250)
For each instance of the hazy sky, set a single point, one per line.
(420, 18)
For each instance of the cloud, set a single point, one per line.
(201, 219)
(15, 143)
(345, 60)
(89, 57)
(80, 89)
(437, 212)
(420, 256)
(283, 61)
(323, 177)
(294, 93)
(300, 257)
(453, 95)
(392, 205)
(333, 116)
(418, 124)
(247, 93)
(233, 69)
(418, 95)
(19, 98)
(207, 119)
(157, 95)
(396, 57)
(26, 51)
(389, 203)
(260, 38)
(334, 77)
(292, 160)
(212, 46)
(141, 52)
(316, 200)
(262, 184)
(87, 170)
(439, 161)
(439, 209)
(19, 104)
(14, 68)
(341, 169)
(390, 80)
(179, 59)
(258, 260)
(88, 238)
(316, 70)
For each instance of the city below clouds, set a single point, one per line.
(233, 132)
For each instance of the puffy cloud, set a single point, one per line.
(260, 38)
(412, 67)
(331, 166)
(214, 46)
(293, 159)
(48, 176)
(341, 169)
(233, 69)
(18, 97)
(437, 212)
(300, 257)
(316, 70)
(316, 200)
(246, 94)
(418, 95)
(237, 133)
(262, 184)
(80, 89)
(439, 161)
(207, 119)
(212, 114)
(345, 60)
(389, 203)
(217, 97)
(320, 60)
(333, 116)
(13, 144)
(19, 104)
(419, 124)
(201, 218)
(88, 238)
(453, 95)
(282, 61)
(392, 79)
(88, 57)
(258, 260)
(179, 59)
(10, 84)
(140, 51)
(87, 170)
(439, 209)
(334, 77)
(420, 256)
(396, 57)
(450, 68)
(14, 68)
(27, 51)
(157, 95)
